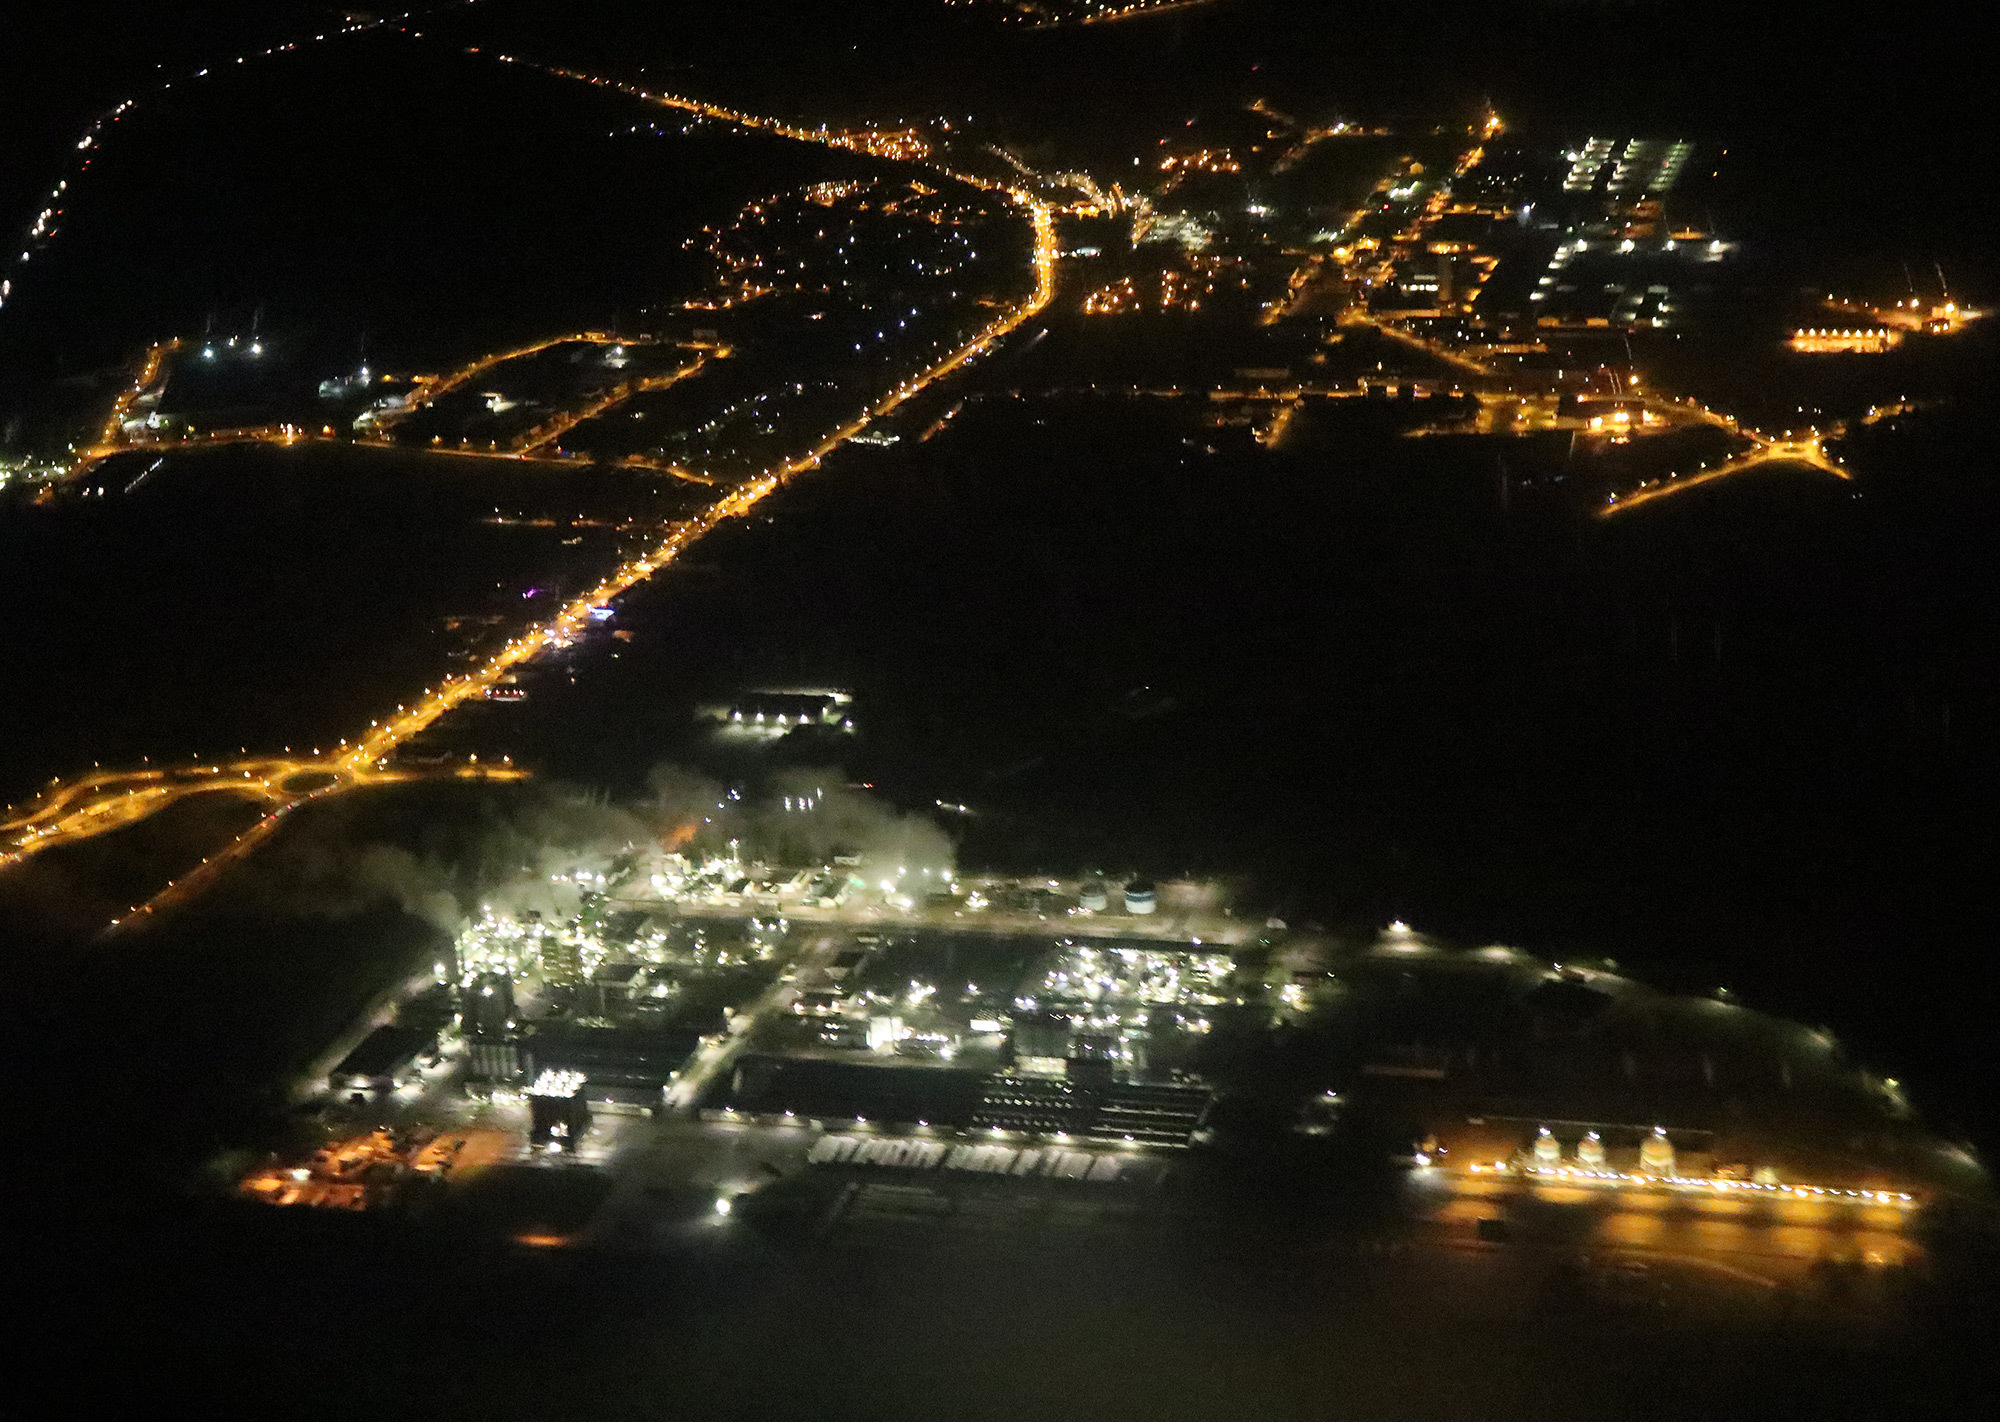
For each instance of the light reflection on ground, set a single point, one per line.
(1699, 1227)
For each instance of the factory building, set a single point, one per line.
(556, 1106)
(777, 713)
(488, 1010)
(617, 1063)
(1157, 1113)
(494, 1061)
(383, 1060)
(1160, 1113)
(486, 1017)
(854, 1091)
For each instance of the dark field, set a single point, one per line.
(279, 598)
(1212, 1300)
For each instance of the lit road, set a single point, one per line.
(431, 388)
(90, 805)
(1359, 317)
(106, 799)
(78, 811)
(574, 618)
(1809, 451)
(1137, 9)
(531, 447)
(1362, 267)
(551, 431)
(121, 408)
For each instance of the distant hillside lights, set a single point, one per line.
(47, 221)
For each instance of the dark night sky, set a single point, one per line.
(1816, 80)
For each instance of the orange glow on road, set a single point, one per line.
(1809, 451)
(88, 805)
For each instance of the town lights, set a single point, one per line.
(362, 760)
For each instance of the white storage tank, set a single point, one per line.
(1656, 1153)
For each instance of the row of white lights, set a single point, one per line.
(1615, 1177)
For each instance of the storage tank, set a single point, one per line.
(1590, 1151)
(1656, 1153)
(1548, 1150)
(1141, 897)
(1093, 896)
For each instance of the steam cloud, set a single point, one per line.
(797, 816)
(512, 852)
(499, 853)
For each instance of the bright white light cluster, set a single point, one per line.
(495, 943)
(1162, 977)
(557, 1083)
(28, 471)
